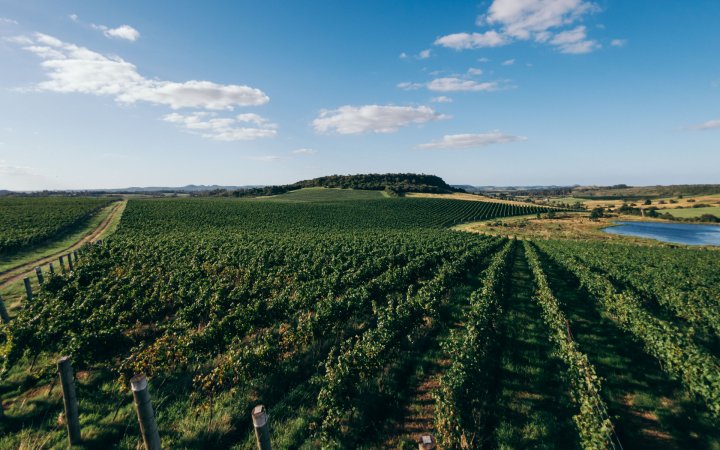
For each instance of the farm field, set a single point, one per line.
(363, 322)
(693, 212)
(25, 222)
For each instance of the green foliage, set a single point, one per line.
(461, 406)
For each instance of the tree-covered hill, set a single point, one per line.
(395, 183)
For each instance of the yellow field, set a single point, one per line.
(465, 196)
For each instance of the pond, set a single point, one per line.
(678, 233)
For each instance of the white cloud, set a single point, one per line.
(408, 86)
(373, 118)
(618, 42)
(508, 62)
(73, 17)
(574, 41)
(304, 151)
(483, 60)
(463, 41)
(543, 21)
(453, 141)
(441, 99)
(709, 125)
(474, 72)
(243, 127)
(74, 69)
(454, 84)
(425, 54)
(403, 55)
(125, 32)
(6, 21)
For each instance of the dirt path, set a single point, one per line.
(16, 273)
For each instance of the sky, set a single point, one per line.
(108, 94)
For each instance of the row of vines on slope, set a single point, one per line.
(680, 357)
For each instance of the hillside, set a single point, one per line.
(393, 183)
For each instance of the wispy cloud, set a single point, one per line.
(6, 21)
(243, 127)
(71, 68)
(125, 32)
(618, 42)
(441, 99)
(709, 125)
(464, 41)
(464, 141)
(542, 21)
(373, 118)
(508, 62)
(454, 84)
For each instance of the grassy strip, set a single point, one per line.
(591, 420)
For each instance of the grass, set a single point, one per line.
(326, 195)
(687, 213)
(532, 407)
(52, 247)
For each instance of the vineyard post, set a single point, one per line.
(145, 413)
(3, 312)
(70, 262)
(52, 269)
(427, 442)
(28, 288)
(62, 264)
(76, 255)
(262, 429)
(72, 418)
(38, 272)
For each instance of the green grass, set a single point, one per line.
(532, 405)
(687, 213)
(52, 247)
(326, 195)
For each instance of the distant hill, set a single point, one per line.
(393, 183)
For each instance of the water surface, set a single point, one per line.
(678, 233)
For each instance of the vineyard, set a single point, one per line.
(26, 221)
(363, 322)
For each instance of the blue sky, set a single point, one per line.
(505, 92)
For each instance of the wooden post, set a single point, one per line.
(62, 264)
(38, 272)
(262, 429)
(70, 262)
(427, 442)
(28, 288)
(76, 255)
(52, 269)
(3, 312)
(72, 419)
(145, 413)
